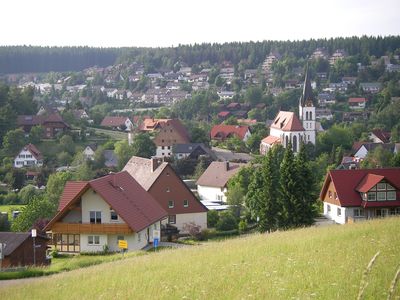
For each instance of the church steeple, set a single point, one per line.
(307, 98)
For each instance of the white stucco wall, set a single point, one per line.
(23, 161)
(361, 153)
(182, 219)
(163, 152)
(211, 193)
(333, 214)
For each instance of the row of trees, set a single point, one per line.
(280, 192)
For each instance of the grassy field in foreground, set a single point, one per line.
(312, 263)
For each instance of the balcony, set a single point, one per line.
(91, 228)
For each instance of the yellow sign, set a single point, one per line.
(123, 244)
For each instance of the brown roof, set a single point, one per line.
(357, 100)
(222, 131)
(123, 193)
(218, 173)
(32, 120)
(287, 121)
(113, 121)
(156, 176)
(35, 151)
(155, 124)
(12, 240)
(384, 136)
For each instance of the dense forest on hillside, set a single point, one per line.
(19, 59)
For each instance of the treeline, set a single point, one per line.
(26, 59)
(19, 59)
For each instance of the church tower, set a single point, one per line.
(307, 110)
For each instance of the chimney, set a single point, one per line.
(226, 165)
(154, 164)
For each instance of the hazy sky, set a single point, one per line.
(171, 22)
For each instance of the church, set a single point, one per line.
(288, 127)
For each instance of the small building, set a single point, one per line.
(222, 132)
(52, 124)
(371, 87)
(117, 123)
(191, 150)
(29, 156)
(212, 184)
(353, 195)
(357, 103)
(361, 149)
(380, 136)
(110, 159)
(96, 214)
(89, 151)
(18, 250)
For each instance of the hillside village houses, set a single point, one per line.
(287, 127)
(222, 132)
(29, 156)
(119, 123)
(161, 181)
(98, 213)
(353, 195)
(52, 124)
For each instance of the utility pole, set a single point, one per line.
(34, 234)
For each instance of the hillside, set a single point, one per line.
(320, 263)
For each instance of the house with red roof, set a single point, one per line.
(29, 156)
(172, 194)
(98, 213)
(167, 132)
(353, 195)
(380, 136)
(117, 123)
(222, 132)
(357, 103)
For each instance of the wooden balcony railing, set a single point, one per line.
(91, 228)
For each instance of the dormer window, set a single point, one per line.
(113, 215)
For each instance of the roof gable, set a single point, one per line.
(287, 121)
(223, 131)
(218, 173)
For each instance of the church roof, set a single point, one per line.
(307, 98)
(287, 121)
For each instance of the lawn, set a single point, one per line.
(311, 263)
(10, 208)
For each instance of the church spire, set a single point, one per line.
(307, 98)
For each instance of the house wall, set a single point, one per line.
(20, 162)
(199, 219)
(333, 213)
(211, 193)
(166, 152)
(361, 153)
(73, 216)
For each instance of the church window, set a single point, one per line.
(306, 115)
(294, 143)
(311, 115)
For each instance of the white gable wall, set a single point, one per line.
(211, 193)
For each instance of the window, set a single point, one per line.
(330, 194)
(172, 219)
(381, 196)
(171, 204)
(94, 240)
(335, 195)
(114, 215)
(328, 208)
(168, 190)
(339, 211)
(162, 147)
(358, 212)
(389, 187)
(95, 217)
(391, 195)
(169, 147)
(373, 188)
(185, 203)
(381, 186)
(371, 196)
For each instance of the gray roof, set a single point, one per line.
(111, 160)
(188, 148)
(12, 240)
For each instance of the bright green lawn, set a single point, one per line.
(10, 208)
(312, 263)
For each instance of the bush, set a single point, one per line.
(242, 226)
(227, 221)
(212, 218)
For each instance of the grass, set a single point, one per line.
(67, 263)
(116, 135)
(312, 263)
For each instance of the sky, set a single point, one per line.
(165, 23)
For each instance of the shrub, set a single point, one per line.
(212, 218)
(227, 221)
(242, 226)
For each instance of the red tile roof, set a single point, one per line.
(35, 151)
(113, 121)
(224, 131)
(224, 114)
(271, 140)
(123, 193)
(357, 100)
(349, 183)
(155, 124)
(287, 121)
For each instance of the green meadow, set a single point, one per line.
(333, 262)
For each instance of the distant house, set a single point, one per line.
(370, 87)
(168, 132)
(111, 160)
(222, 132)
(226, 95)
(233, 106)
(191, 150)
(357, 103)
(361, 149)
(212, 184)
(326, 99)
(349, 80)
(353, 195)
(117, 123)
(223, 115)
(18, 250)
(29, 156)
(380, 136)
(89, 151)
(80, 114)
(98, 213)
(168, 189)
(52, 124)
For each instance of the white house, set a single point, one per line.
(29, 156)
(89, 152)
(94, 215)
(212, 184)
